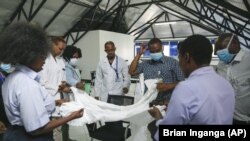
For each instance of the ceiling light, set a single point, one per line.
(165, 23)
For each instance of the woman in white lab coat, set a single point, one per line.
(112, 76)
(53, 78)
(53, 72)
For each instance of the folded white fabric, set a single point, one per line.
(95, 110)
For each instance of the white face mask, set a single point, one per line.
(73, 61)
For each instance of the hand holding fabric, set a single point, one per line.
(155, 112)
(80, 85)
(64, 87)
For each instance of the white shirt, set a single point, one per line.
(26, 102)
(239, 76)
(107, 82)
(221, 69)
(53, 74)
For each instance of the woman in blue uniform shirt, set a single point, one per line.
(28, 105)
(71, 57)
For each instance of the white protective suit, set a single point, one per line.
(95, 110)
(111, 79)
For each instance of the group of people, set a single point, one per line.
(194, 91)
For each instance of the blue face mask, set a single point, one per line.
(6, 67)
(225, 56)
(156, 56)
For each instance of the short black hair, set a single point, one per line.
(22, 43)
(70, 51)
(109, 43)
(154, 41)
(198, 47)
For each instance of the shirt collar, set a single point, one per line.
(29, 72)
(239, 56)
(201, 71)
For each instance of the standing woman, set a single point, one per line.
(28, 105)
(71, 56)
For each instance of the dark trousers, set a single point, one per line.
(152, 129)
(18, 133)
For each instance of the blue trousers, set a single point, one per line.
(18, 133)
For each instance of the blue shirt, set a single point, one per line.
(72, 78)
(204, 98)
(26, 102)
(168, 67)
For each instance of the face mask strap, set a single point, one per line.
(230, 41)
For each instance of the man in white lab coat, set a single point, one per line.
(112, 76)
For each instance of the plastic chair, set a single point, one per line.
(92, 74)
(113, 131)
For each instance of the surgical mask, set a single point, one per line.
(7, 68)
(73, 61)
(156, 56)
(224, 54)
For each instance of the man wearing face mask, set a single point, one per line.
(159, 66)
(71, 57)
(234, 61)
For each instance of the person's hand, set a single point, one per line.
(80, 85)
(125, 90)
(77, 114)
(64, 87)
(163, 87)
(155, 112)
(59, 102)
(143, 48)
(2, 127)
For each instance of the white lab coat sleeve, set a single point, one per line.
(98, 80)
(126, 75)
(44, 78)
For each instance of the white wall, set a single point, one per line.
(92, 46)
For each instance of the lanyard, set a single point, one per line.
(2, 77)
(116, 69)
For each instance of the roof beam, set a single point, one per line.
(104, 18)
(56, 14)
(138, 18)
(190, 20)
(247, 5)
(17, 11)
(232, 8)
(150, 25)
(83, 17)
(147, 3)
(219, 25)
